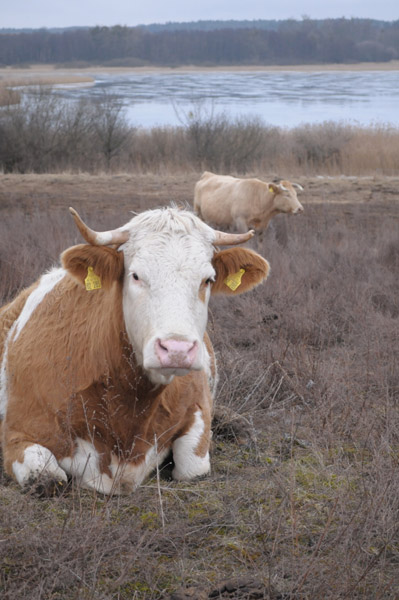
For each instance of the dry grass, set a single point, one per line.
(48, 135)
(16, 79)
(307, 507)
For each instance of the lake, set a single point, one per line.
(284, 99)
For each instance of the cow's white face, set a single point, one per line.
(286, 200)
(166, 290)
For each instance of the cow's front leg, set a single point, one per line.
(191, 450)
(35, 467)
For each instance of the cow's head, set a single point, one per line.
(169, 265)
(285, 197)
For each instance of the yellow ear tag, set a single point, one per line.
(271, 190)
(234, 281)
(92, 281)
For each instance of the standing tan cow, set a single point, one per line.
(105, 363)
(243, 203)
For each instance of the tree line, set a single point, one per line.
(287, 42)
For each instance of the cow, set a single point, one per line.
(243, 203)
(106, 364)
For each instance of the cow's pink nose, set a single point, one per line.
(176, 354)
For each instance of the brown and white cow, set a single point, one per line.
(106, 365)
(243, 203)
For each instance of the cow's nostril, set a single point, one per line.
(173, 353)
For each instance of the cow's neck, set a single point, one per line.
(135, 381)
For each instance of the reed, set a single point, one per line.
(48, 135)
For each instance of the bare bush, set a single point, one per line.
(111, 128)
(47, 134)
(216, 142)
(320, 146)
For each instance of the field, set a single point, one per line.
(303, 499)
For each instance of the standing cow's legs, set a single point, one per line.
(240, 225)
(191, 450)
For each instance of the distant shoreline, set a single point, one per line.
(55, 74)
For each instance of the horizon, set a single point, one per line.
(22, 14)
(166, 23)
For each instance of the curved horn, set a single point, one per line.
(99, 238)
(296, 185)
(232, 239)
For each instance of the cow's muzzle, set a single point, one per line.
(175, 354)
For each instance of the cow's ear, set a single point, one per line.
(274, 188)
(238, 270)
(93, 266)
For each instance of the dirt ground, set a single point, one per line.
(116, 195)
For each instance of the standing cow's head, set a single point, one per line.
(169, 264)
(285, 197)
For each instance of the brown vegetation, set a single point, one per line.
(47, 135)
(302, 502)
(9, 80)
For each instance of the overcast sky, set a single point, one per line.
(66, 13)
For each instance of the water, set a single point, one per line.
(284, 99)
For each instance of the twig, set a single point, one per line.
(159, 485)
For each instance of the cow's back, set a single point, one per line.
(223, 199)
(215, 195)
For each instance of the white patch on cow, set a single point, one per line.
(128, 476)
(38, 461)
(47, 282)
(3, 376)
(213, 380)
(187, 463)
(85, 467)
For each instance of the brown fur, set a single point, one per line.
(230, 261)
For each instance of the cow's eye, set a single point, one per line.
(208, 281)
(135, 276)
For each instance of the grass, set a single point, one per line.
(302, 502)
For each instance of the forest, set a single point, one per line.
(203, 43)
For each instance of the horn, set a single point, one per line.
(99, 238)
(296, 185)
(232, 239)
